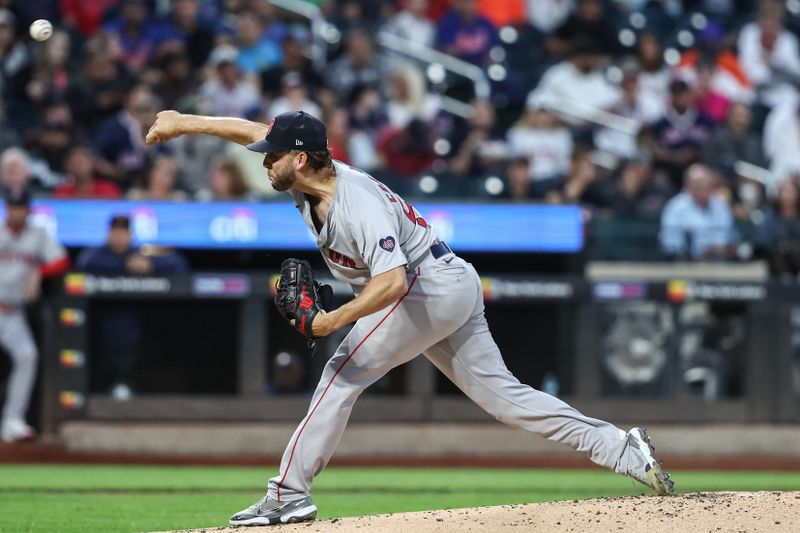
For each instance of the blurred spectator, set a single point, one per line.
(406, 151)
(518, 180)
(636, 193)
(411, 23)
(274, 28)
(160, 181)
(778, 234)
(547, 15)
(408, 97)
(8, 135)
(52, 137)
(589, 22)
(294, 97)
(698, 223)
(295, 59)
(80, 180)
(503, 12)
(15, 71)
(359, 65)
(15, 171)
(352, 147)
(578, 82)
(655, 74)
(101, 88)
(732, 142)
(464, 33)
(84, 16)
(680, 135)
(118, 329)
(541, 138)
(227, 93)
(715, 72)
(119, 140)
(367, 112)
(185, 25)
(227, 182)
(582, 185)
(288, 374)
(634, 105)
(176, 80)
(52, 76)
(27, 253)
(478, 146)
(256, 51)
(781, 142)
(136, 32)
(770, 56)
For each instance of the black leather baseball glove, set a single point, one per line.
(299, 297)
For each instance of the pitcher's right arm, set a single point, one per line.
(170, 124)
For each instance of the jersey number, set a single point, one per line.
(408, 209)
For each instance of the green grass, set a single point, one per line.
(85, 499)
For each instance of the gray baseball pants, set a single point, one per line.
(16, 339)
(442, 317)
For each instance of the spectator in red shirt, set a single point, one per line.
(81, 181)
(407, 151)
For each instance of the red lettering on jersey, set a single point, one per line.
(411, 215)
(341, 259)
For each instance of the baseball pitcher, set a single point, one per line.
(413, 295)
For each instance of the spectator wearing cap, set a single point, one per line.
(27, 253)
(80, 180)
(119, 141)
(679, 136)
(770, 55)
(256, 51)
(541, 138)
(411, 23)
(578, 81)
(698, 223)
(295, 59)
(294, 97)
(464, 33)
(359, 66)
(119, 329)
(227, 92)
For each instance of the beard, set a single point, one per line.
(281, 184)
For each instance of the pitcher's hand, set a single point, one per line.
(165, 128)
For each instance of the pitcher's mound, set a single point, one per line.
(700, 512)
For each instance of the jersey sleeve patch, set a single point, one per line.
(387, 243)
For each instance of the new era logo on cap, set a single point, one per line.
(290, 130)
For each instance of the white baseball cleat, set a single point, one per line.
(643, 466)
(16, 430)
(266, 512)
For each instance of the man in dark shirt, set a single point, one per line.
(119, 325)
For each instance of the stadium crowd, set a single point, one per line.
(675, 120)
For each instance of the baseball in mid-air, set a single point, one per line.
(41, 29)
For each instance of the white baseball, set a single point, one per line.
(41, 29)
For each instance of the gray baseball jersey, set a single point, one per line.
(20, 254)
(370, 230)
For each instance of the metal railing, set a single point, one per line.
(322, 32)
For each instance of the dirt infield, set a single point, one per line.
(712, 512)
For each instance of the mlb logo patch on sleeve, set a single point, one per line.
(387, 243)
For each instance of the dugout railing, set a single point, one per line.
(676, 350)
